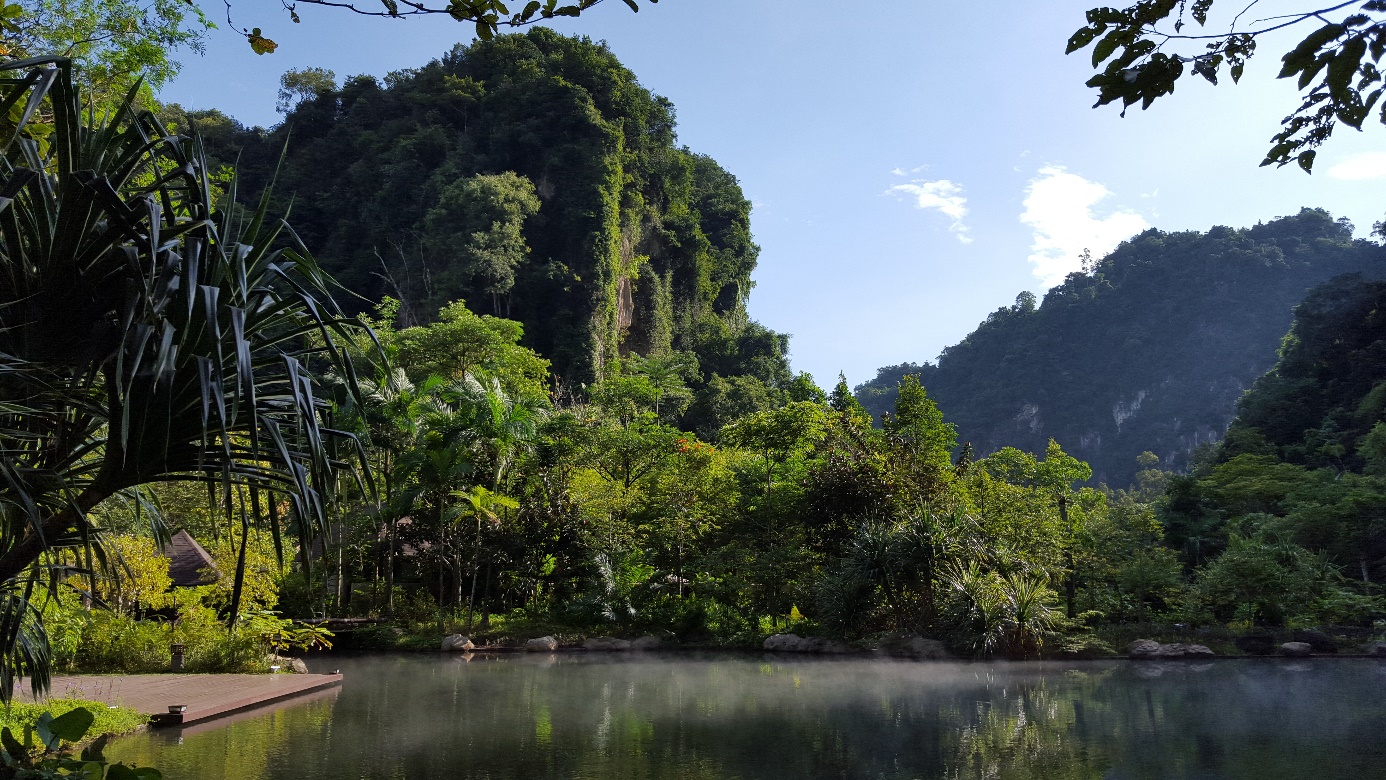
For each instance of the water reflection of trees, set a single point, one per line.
(420, 719)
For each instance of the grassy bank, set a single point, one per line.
(110, 721)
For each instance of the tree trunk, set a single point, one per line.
(1071, 586)
(476, 558)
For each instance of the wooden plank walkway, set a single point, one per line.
(204, 695)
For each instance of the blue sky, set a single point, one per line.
(911, 169)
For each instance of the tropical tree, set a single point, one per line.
(144, 337)
(301, 84)
(667, 375)
(481, 504)
(113, 43)
(778, 434)
(476, 229)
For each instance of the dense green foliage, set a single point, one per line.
(603, 442)
(1149, 350)
(1303, 467)
(533, 177)
(113, 43)
(601, 515)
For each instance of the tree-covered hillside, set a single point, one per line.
(533, 177)
(1304, 462)
(1149, 350)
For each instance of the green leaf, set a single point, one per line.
(1306, 160)
(94, 750)
(530, 10)
(1311, 71)
(567, 10)
(1316, 40)
(392, 6)
(1105, 47)
(121, 772)
(483, 30)
(1343, 66)
(71, 726)
(11, 745)
(1084, 37)
(43, 727)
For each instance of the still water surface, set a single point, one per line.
(660, 716)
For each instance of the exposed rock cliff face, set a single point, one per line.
(1148, 352)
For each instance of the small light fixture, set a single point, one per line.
(177, 709)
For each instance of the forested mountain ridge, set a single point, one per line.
(532, 176)
(1305, 459)
(1148, 350)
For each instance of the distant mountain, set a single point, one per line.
(1150, 350)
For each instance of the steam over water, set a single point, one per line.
(599, 717)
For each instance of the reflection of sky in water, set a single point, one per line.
(426, 717)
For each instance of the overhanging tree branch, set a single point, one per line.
(1336, 65)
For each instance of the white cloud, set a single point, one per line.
(1059, 209)
(1360, 167)
(942, 196)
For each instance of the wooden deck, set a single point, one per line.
(204, 695)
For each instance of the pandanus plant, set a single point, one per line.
(145, 336)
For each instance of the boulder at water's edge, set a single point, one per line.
(1297, 649)
(543, 644)
(456, 643)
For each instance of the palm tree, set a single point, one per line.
(667, 374)
(500, 427)
(436, 466)
(389, 415)
(144, 337)
(481, 504)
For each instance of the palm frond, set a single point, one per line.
(145, 337)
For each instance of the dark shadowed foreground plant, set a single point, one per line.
(52, 756)
(1009, 614)
(143, 338)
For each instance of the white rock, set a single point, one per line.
(1297, 649)
(543, 644)
(1143, 649)
(457, 643)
